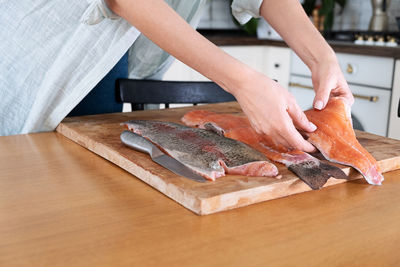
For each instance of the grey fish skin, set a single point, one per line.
(205, 152)
(315, 173)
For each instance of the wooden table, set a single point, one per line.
(61, 205)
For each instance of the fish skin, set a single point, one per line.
(308, 168)
(336, 139)
(316, 173)
(205, 152)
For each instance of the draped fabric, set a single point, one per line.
(52, 53)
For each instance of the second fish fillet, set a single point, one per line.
(336, 140)
(308, 168)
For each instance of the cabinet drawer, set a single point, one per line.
(358, 69)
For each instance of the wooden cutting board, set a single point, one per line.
(100, 134)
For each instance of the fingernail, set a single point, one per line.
(318, 105)
(313, 150)
(313, 127)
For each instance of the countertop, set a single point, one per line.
(233, 38)
(62, 205)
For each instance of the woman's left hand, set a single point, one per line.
(328, 81)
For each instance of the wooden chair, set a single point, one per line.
(140, 92)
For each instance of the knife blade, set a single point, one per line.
(141, 144)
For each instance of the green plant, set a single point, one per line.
(250, 27)
(326, 9)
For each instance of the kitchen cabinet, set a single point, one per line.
(272, 61)
(394, 120)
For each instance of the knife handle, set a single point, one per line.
(137, 142)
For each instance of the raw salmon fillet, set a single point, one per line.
(336, 140)
(309, 169)
(204, 152)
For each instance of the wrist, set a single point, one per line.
(249, 83)
(324, 56)
(236, 76)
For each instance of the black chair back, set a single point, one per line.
(140, 92)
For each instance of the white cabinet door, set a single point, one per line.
(277, 64)
(394, 120)
(252, 55)
(272, 61)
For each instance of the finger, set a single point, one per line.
(322, 95)
(344, 91)
(255, 126)
(280, 140)
(273, 133)
(349, 96)
(300, 119)
(299, 143)
(350, 99)
(294, 138)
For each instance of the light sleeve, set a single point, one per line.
(244, 10)
(96, 12)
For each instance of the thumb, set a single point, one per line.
(322, 95)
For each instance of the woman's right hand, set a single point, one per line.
(272, 110)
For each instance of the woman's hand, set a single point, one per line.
(301, 35)
(272, 110)
(328, 80)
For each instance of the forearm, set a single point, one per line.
(270, 108)
(292, 23)
(162, 25)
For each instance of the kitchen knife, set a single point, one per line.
(141, 144)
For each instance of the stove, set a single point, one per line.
(390, 39)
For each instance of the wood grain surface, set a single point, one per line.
(61, 205)
(100, 134)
